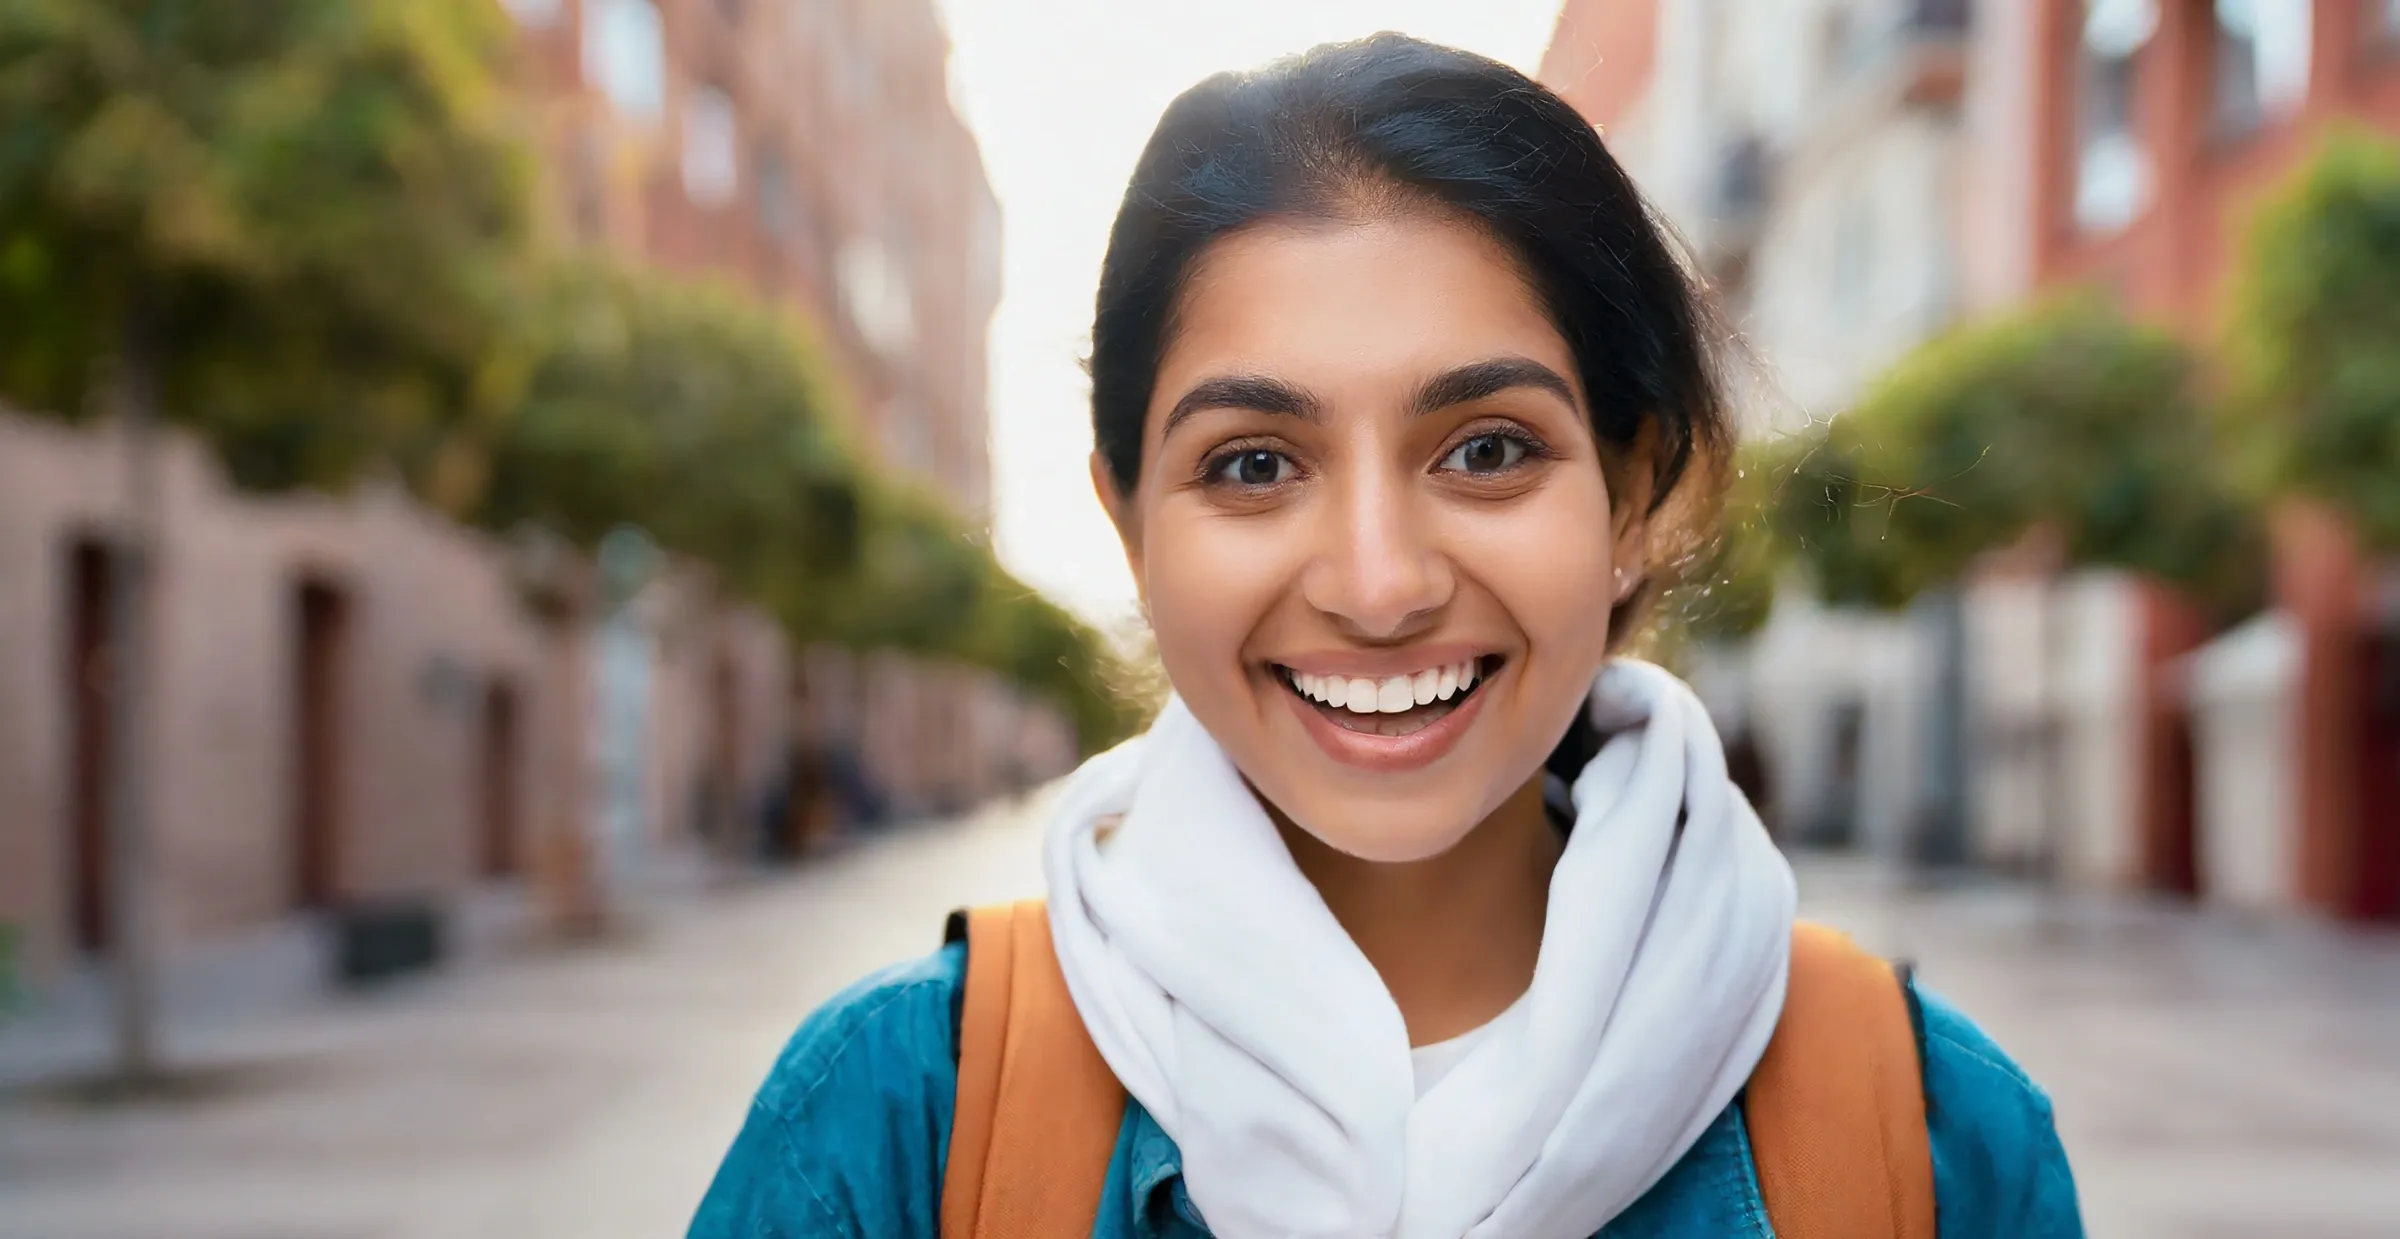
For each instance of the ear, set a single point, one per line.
(1119, 507)
(1629, 536)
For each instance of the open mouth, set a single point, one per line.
(1395, 705)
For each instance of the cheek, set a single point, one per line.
(1548, 562)
(1209, 582)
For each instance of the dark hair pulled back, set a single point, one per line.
(1383, 125)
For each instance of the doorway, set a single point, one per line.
(721, 821)
(91, 579)
(318, 711)
(2377, 892)
(497, 791)
(1835, 824)
(2173, 843)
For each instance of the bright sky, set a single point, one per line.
(1062, 94)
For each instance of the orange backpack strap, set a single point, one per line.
(1836, 1109)
(1038, 1109)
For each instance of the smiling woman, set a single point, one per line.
(1363, 451)
(1418, 912)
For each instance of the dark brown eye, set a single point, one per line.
(1487, 453)
(1255, 467)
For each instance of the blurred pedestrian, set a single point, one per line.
(774, 837)
(1747, 767)
(1418, 912)
(862, 800)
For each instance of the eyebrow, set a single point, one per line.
(1484, 379)
(1255, 392)
(1460, 385)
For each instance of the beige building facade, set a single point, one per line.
(1808, 152)
(356, 700)
(349, 700)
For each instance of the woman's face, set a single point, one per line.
(1371, 528)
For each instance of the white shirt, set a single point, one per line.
(1435, 1061)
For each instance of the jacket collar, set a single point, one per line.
(1713, 1191)
(1154, 1169)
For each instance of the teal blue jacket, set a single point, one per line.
(849, 1134)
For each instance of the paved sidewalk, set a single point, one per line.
(2213, 1080)
(581, 1095)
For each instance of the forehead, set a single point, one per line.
(1355, 306)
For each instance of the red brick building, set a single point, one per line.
(1601, 57)
(2119, 144)
(810, 151)
(352, 699)
(2115, 144)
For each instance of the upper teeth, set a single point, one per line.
(1388, 695)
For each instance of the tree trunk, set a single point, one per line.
(2054, 733)
(132, 940)
(1941, 831)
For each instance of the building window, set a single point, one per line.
(2387, 20)
(539, 14)
(779, 208)
(711, 148)
(812, 20)
(1842, 45)
(624, 54)
(855, 73)
(587, 198)
(905, 439)
(985, 255)
(2261, 64)
(2112, 168)
(1853, 260)
(875, 292)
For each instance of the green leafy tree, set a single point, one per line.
(686, 410)
(1039, 645)
(301, 229)
(1726, 588)
(1822, 507)
(702, 417)
(925, 584)
(2063, 416)
(920, 581)
(283, 222)
(295, 221)
(2314, 335)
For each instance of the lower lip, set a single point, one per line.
(1367, 751)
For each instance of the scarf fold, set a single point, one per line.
(1233, 1006)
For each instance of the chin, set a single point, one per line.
(1389, 833)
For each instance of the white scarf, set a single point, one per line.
(1234, 1007)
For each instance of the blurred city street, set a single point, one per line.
(585, 1094)
(2213, 1079)
(528, 527)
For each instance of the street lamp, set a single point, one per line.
(627, 562)
(554, 582)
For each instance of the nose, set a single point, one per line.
(1376, 570)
